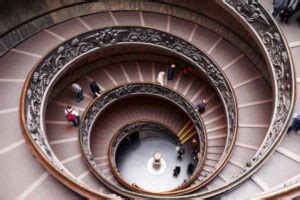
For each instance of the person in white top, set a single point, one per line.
(72, 115)
(161, 78)
(78, 91)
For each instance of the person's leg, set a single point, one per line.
(276, 11)
(293, 127)
(169, 76)
(288, 17)
(297, 126)
(290, 13)
(69, 122)
(78, 120)
(74, 123)
(81, 95)
(179, 155)
(283, 16)
(78, 96)
(95, 94)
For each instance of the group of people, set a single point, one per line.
(286, 9)
(171, 73)
(192, 165)
(78, 91)
(72, 114)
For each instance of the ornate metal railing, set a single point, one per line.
(256, 18)
(43, 77)
(287, 190)
(116, 94)
(276, 52)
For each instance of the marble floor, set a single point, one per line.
(132, 160)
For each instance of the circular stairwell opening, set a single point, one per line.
(148, 158)
(141, 129)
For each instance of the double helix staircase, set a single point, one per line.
(251, 87)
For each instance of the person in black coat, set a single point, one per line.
(289, 11)
(192, 166)
(180, 151)
(176, 171)
(171, 72)
(95, 88)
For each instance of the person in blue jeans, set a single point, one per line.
(279, 6)
(296, 124)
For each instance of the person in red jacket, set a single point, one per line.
(72, 115)
(186, 71)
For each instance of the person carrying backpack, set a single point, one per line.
(72, 115)
(78, 91)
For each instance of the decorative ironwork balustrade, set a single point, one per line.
(43, 77)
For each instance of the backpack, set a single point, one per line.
(70, 117)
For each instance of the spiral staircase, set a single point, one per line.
(245, 66)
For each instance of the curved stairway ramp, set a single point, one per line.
(36, 87)
(112, 76)
(12, 79)
(285, 157)
(284, 164)
(114, 81)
